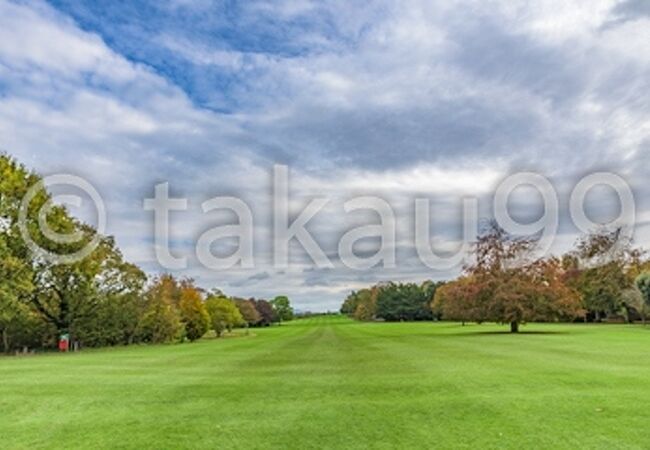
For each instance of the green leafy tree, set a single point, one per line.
(15, 285)
(634, 306)
(67, 296)
(642, 283)
(398, 301)
(601, 271)
(224, 314)
(282, 307)
(119, 307)
(351, 303)
(70, 295)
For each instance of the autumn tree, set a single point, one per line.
(506, 285)
(459, 300)
(193, 312)
(536, 292)
(268, 315)
(248, 311)
(366, 301)
(161, 321)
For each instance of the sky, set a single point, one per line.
(410, 99)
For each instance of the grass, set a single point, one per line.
(333, 383)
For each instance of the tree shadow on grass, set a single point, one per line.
(506, 333)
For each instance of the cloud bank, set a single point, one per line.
(439, 100)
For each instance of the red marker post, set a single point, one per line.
(64, 343)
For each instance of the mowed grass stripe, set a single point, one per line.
(334, 383)
(566, 386)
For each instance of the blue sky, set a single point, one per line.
(209, 48)
(398, 99)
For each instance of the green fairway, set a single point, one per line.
(334, 383)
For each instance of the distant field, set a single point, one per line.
(333, 383)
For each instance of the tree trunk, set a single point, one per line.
(5, 340)
(514, 327)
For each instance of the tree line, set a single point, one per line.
(603, 278)
(102, 299)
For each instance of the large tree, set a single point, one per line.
(506, 285)
(65, 294)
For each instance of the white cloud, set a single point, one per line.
(438, 98)
(38, 36)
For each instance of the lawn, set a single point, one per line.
(334, 383)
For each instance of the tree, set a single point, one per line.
(224, 314)
(634, 305)
(15, 284)
(161, 321)
(366, 301)
(603, 264)
(248, 311)
(194, 315)
(267, 313)
(429, 289)
(400, 301)
(350, 304)
(15, 182)
(535, 292)
(119, 307)
(642, 283)
(282, 307)
(504, 286)
(459, 300)
(65, 295)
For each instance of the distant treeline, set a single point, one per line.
(102, 299)
(392, 302)
(603, 278)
